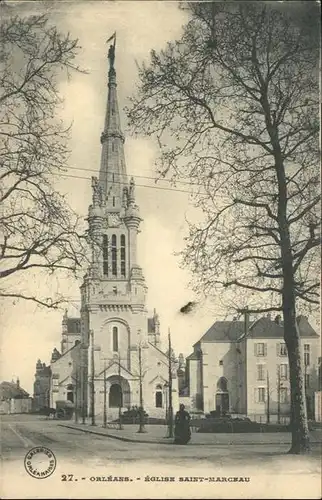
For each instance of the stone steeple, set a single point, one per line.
(114, 216)
(112, 176)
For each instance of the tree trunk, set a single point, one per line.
(299, 425)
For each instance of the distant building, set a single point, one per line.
(247, 374)
(41, 386)
(14, 399)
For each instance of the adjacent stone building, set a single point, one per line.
(231, 371)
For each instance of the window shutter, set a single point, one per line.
(256, 398)
(255, 349)
(265, 349)
(277, 349)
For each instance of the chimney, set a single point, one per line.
(278, 319)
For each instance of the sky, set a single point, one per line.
(28, 332)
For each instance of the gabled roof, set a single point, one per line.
(305, 328)
(265, 328)
(223, 331)
(122, 367)
(64, 354)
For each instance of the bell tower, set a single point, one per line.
(113, 292)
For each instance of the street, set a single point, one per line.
(88, 459)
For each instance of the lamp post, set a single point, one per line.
(120, 398)
(105, 409)
(170, 414)
(141, 410)
(76, 397)
(92, 380)
(166, 387)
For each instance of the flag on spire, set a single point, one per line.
(113, 37)
(111, 51)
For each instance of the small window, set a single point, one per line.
(260, 372)
(307, 380)
(115, 339)
(306, 354)
(113, 201)
(260, 349)
(283, 395)
(283, 371)
(282, 349)
(261, 395)
(113, 146)
(113, 180)
(221, 362)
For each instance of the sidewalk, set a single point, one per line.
(157, 434)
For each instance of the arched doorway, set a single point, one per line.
(115, 398)
(70, 393)
(158, 399)
(222, 396)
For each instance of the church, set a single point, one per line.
(112, 354)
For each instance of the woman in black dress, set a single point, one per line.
(182, 433)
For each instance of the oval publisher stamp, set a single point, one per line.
(40, 462)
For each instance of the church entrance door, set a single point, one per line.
(115, 396)
(222, 403)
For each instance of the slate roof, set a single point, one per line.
(193, 355)
(10, 390)
(266, 328)
(223, 331)
(77, 343)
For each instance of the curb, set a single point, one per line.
(129, 440)
(104, 434)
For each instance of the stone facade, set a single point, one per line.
(231, 372)
(118, 344)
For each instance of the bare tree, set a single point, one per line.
(39, 230)
(234, 105)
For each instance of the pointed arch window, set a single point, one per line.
(114, 251)
(115, 339)
(123, 256)
(105, 255)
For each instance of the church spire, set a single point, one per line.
(112, 176)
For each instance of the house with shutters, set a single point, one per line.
(246, 372)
